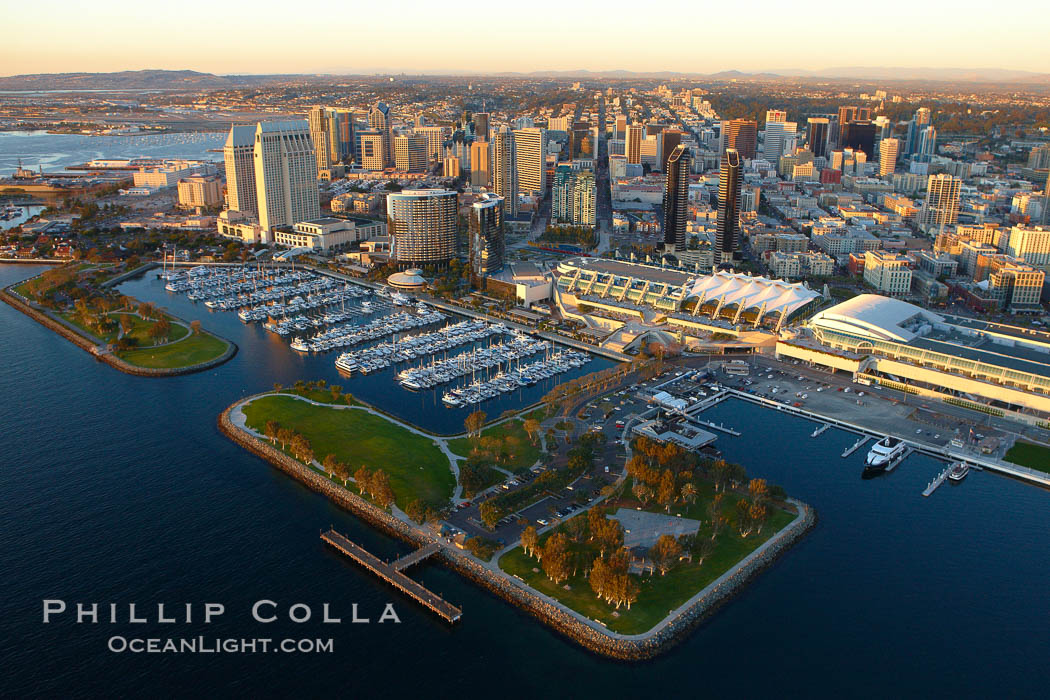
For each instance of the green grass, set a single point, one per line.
(1030, 455)
(189, 351)
(417, 468)
(659, 594)
(522, 454)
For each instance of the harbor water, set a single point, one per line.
(119, 489)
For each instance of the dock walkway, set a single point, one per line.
(391, 573)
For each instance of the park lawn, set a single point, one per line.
(191, 350)
(322, 395)
(140, 330)
(417, 468)
(1030, 455)
(91, 333)
(659, 594)
(525, 455)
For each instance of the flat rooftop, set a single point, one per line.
(1020, 359)
(1029, 334)
(621, 268)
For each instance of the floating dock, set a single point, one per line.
(717, 426)
(932, 486)
(392, 572)
(856, 446)
(820, 431)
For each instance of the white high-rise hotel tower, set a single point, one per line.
(285, 174)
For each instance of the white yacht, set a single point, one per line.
(885, 454)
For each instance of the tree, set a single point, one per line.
(147, 310)
(490, 513)
(342, 472)
(702, 548)
(381, 491)
(474, 423)
(530, 541)
(416, 510)
(160, 329)
(301, 448)
(576, 528)
(532, 427)
(642, 492)
(714, 509)
(329, 463)
(557, 563)
(758, 491)
(689, 492)
(284, 436)
(665, 553)
(195, 327)
(271, 430)
(363, 479)
(666, 493)
(126, 324)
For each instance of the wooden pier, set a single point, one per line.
(392, 573)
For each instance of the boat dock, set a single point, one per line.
(856, 446)
(932, 486)
(392, 572)
(820, 431)
(717, 426)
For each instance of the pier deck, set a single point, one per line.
(391, 573)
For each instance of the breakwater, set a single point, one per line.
(99, 350)
(588, 634)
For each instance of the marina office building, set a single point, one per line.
(990, 367)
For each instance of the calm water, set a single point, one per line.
(119, 489)
(54, 152)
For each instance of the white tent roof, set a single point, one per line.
(751, 292)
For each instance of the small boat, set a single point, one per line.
(958, 471)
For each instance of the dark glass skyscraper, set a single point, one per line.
(741, 135)
(487, 237)
(818, 136)
(727, 235)
(860, 136)
(676, 199)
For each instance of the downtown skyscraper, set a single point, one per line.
(487, 237)
(422, 225)
(238, 153)
(504, 169)
(285, 173)
(676, 199)
(379, 120)
(741, 135)
(531, 146)
(727, 233)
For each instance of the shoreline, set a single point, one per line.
(15, 300)
(554, 615)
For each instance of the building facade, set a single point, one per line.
(240, 170)
(487, 237)
(285, 174)
(422, 224)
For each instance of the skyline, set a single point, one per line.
(51, 37)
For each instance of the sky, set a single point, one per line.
(355, 36)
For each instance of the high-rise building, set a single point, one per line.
(504, 172)
(620, 128)
(481, 126)
(561, 193)
(285, 174)
(1031, 244)
(435, 137)
(676, 199)
(1039, 157)
(941, 207)
(422, 225)
(371, 156)
(240, 170)
(531, 145)
(320, 135)
(379, 118)
(888, 150)
(670, 140)
(741, 135)
(633, 147)
(487, 237)
(779, 137)
(410, 153)
(926, 147)
(584, 198)
(775, 116)
(818, 136)
(727, 232)
(479, 164)
(850, 114)
(921, 120)
(859, 136)
(332, 132)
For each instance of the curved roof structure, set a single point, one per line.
(876, 317)
(407, 279)
(752, 292)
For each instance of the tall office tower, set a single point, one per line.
(779, 135)
(860, 136)
(240, 170)
(487, 237)
(671, 139)
(921, 120)
(852, 114)
(584, 197)
(481, 126)
(941, 207)
(504, 169)
(436, 137)
(342, 125)
(818, 136)
(742, 136)
(580, 142)
(727, 233)
(927, 144)
(410, 153)
(379, 120)
(531, 145)
(676, 199)
(479, 163)
(285, 173)
(633, 147)
(1039, 157)
(1030, 243)
(371, 150)
(774, 116)
(561, 194)
(888, 156)
(320, 135)
(620, 128)
(422, 225)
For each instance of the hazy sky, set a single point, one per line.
(345, 36)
